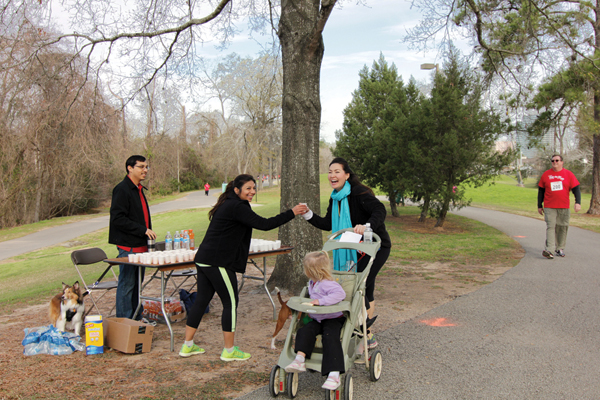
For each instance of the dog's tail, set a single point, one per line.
(279, 296)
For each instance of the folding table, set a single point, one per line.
(168, 267)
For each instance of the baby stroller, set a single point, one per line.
(354, 330)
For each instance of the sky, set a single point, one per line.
(355, 36)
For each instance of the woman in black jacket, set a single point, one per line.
(223, 253)
(353, 204)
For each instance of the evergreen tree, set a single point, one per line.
(378, 101)
(463, 145)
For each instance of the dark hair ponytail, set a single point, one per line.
(238, 182)
(353, 178)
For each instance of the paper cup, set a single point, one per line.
(131, 257)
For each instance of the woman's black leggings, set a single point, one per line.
(380, 259)
(222, 281)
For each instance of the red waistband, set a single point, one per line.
(141, 249)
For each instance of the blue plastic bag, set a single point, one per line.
(49, 340)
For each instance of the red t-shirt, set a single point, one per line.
(557, 186)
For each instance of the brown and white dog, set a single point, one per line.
(284, 314)
(67, 307)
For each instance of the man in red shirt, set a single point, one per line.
(554, 204)
(129, 229)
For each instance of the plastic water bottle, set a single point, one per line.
(176, 241)
(368, 233)
(185, 242)
(168, 242)
(192, 240)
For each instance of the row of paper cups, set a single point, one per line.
(264, 245)
(163, 257)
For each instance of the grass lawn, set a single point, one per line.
(505, 195)
(467, 242)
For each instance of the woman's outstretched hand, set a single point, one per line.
(301, 209)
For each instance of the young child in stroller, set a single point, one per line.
(323, 291)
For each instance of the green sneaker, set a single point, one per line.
(187, 351)
(235, 355)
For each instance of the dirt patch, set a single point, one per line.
(403, 292)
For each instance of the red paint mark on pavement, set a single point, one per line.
(519, 236)
(437, 322)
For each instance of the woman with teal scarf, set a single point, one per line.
(352, 205)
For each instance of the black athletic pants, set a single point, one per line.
(380, 259)
(222, 281)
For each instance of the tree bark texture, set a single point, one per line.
(595, 200)
(300, 29)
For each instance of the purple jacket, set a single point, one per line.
(328, 293)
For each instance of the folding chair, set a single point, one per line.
(88, 257)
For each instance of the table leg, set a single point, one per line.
(139, 306)
(162, 306)
(264, 272)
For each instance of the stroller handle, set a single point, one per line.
(368, 248)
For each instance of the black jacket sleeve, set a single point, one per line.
(322, 223)
(541, 192)
(577, 192)
(246, 216)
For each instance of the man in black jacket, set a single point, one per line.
(130, 228)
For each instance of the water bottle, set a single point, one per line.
(176, 241)
(368, 233)
(168, 242)
(192, 241)
(185, 242)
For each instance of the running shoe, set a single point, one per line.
(560, 253)
(187, 351)
(296, 366)
(235, 355)
(371, 342)
(547, 254)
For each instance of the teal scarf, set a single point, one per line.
(340, 219)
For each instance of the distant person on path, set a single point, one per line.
(129, 229)
(353, 204)
(206, 188)
(554, 204)
(223, 253)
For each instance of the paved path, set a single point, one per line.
(532, 334)
(64, 233)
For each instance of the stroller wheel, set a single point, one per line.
(375, 365)
(292, 384)
(275, 381)
(348, 387)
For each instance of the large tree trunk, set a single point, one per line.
(595, 200)
(300, 29)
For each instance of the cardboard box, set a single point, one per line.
(94, 336)
(174, 308)
(127, 335)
